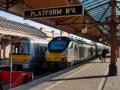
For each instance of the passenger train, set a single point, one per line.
(34, 55)
(64, 50)
(28, 53)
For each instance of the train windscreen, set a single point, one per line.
(57, 45)
(20, 48)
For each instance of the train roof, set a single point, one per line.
(64, 37)
(75, 40)
(33, 40)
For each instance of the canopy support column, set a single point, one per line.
(113, 66)
(113, 27)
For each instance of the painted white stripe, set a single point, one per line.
(102, 83)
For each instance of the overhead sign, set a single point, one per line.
(55, 12)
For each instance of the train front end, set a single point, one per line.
(57, 50)
(20, 54)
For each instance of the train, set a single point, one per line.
(28, 53)
(34, 55)
(67, 51)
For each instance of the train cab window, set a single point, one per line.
(26, 48)
(20, 48)
(15, 48)
(57, 45)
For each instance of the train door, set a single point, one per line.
(40, 52)
(94, 51)
(119, 52)
(89, 52)
(35, 60)
(75, 52)
(89, 49)
(80, 52)
(71, 51)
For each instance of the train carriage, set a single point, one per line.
(28, 53)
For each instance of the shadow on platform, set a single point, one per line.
(100, 62)
(77, 78)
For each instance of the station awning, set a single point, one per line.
(97, 16)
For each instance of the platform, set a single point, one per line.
(89, 76)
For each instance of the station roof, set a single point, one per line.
(5, 23)
(97, 14)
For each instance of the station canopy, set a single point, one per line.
(96, 16)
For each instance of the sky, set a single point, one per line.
(32, 23)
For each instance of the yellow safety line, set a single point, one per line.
(59, 82)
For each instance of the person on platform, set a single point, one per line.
(103, 56)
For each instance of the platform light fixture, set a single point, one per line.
(106, 43)
(71, 1)
(84, 29)
(100, 39)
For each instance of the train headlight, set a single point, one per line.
(64, 59)
(47, 58)
(25, 60)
